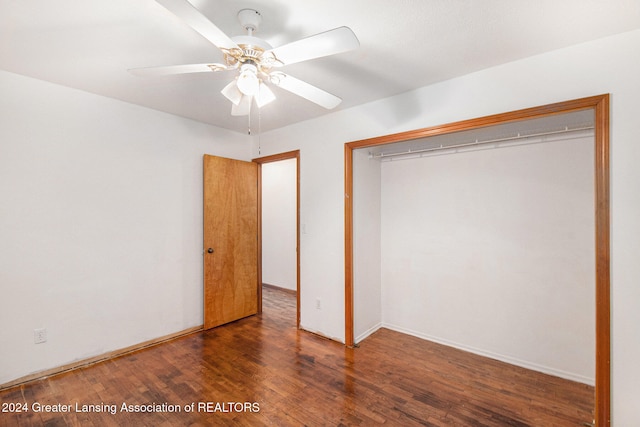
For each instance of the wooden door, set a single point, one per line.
(230, 240)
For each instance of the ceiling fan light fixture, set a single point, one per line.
(265, 96)
(248, 82)
(276, 78)
(243, 108)
(232, 93)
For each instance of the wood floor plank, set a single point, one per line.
(298, 378)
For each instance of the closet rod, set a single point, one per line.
(476, 142)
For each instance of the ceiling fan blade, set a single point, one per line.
(196, 20)
(305, 90)
(179, 69)
(243, 108)
(331, 42)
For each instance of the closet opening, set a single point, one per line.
(486, 209)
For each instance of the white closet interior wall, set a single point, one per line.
(491, 251)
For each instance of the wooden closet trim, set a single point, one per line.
(600, 106)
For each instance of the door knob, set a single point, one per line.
(210, 250)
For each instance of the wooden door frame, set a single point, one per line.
(269, 159)
(600, 105)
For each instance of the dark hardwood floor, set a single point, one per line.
(262, 371)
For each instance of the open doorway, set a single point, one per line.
(599, 106)
(279, 258)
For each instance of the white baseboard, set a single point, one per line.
(507, 359)
(368, 332)
(99, 358)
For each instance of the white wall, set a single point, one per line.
(603, 66)
(100, 223)
(279, 267)
(367, 279)
(492, 251)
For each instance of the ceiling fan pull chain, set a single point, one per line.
(259, 131)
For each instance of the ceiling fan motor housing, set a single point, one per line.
(251, 48)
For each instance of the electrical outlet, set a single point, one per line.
(318, 307)
(39, 335)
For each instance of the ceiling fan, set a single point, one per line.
(256, 62)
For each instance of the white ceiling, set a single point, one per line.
(405, 44)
